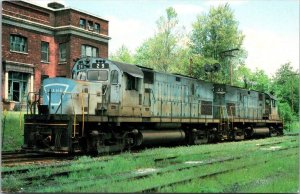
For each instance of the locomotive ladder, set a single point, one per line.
(223, 120)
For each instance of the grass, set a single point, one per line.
(119, 173)
(292, 127)
(258, 178)
(12, 130)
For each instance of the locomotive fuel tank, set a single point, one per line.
(260, 131)
(154, 137)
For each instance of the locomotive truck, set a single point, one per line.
(109, 106)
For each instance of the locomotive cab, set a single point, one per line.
(270, 111)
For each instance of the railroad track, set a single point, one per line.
(130, 176)
(127, 176)
(161, 163)
(157, 188)
(19, 157)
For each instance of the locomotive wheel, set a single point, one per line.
(201, 137)
(274, 133)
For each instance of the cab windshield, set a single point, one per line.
(97, 75)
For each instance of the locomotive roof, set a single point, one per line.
(136, 71)
(132, 70)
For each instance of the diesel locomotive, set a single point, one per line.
(109, 106)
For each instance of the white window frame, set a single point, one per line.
(45, 51)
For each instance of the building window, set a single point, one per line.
(90, 25)
(62, 52)
(89, 51)
(45, 51)
(18, 43)
(17, 86)
(97, 27)
(82, 23)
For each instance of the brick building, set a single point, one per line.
(40, 42)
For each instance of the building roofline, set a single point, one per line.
(65, 8)
(59, 29)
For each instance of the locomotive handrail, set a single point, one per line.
(60, 105)
(74, 120)
(238, 111)
(82, 101)
(104, 93)
(35, 101)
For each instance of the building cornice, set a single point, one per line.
(19, 63)
(65, 8)
(51, 30)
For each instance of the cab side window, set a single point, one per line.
(114, 77)
(132, 83)
(274, 103)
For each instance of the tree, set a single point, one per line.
(243, 77)
(160, 51)
(261, 81)
(216, 32)
(285, 86)
(122, 55)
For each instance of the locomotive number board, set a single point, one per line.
(100, 65)
(94, 66)
(80, 66)
(219, 88)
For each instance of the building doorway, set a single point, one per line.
(17, 86)
(16, 91)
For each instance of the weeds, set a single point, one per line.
(12, 130)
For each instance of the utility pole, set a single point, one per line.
(228, 53)
(231, 74)
(190, 67)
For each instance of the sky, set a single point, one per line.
(271, 27)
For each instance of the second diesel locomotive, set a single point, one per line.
(109, 106)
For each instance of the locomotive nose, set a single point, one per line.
(56, 91)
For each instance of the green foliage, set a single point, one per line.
(257, 80)
(12, 130)
(285, 86)
(285, 111)
(161, 51)
(197, 68)
(261, 81)
(216, 32)
(122, 55)
(242, 76)
(12, 183)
